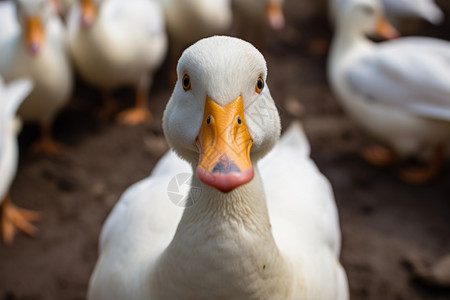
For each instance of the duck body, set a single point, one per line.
(9, 129)
(272, 235)
(394, 90)
(225, 259)
(190, 20)
(124, 43)
(425, 9)
(50, 70)
(8, 154)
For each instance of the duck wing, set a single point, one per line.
(300, 199)
(409, 73)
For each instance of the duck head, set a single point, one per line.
(89, 12)
(221, 117)
(33, 16)
(366, 16)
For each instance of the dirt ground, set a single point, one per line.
(384, 222)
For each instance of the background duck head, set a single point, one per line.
(33, 16)
(221, 117)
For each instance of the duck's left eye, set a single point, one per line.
(259, 85)
(186, 82)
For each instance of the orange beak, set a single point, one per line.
(34, 35)
(224, 144)
(274, 14)
(57, 6)
(385, 30)
(89, 13)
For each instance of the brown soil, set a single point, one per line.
(384, 221)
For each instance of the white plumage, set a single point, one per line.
(190, 20)
(396, 90)
(11, 96)
(425, 9)
(116, 43)
(400, 9)
(35, 47)
(276, 237)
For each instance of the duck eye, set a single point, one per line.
(259, 85)
(239, 120)
(186, 82)
(208, 120)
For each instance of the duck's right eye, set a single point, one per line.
(186, 82)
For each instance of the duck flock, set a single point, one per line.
(259, 219)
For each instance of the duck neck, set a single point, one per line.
(349, 39)
(224, 237)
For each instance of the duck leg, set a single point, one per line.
(140, 113)
(424, 174)
(109, 106)
(379, 156)
(46, 144)
(14, 218)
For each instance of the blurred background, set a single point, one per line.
(391, 230)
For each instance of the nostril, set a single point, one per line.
(225, 166)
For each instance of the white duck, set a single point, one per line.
(188, 21)
(116, 43)
(221, 118)
(33, 45)
(12, 217)
(401, 9)
(398, 90)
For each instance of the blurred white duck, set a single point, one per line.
(116, 43)
(188, 21)
(12, 217)
(221, 118)
(413, 9)
(401, 9)
(33, 45)
(397, 90)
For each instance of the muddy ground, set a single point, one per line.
(384, 221)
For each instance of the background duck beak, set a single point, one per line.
(34, 35)
(224, 144)
(89, 13)
(274, 14)
(385, 30)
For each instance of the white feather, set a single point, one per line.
(126, 43)
(11, 96)
(396, 90)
